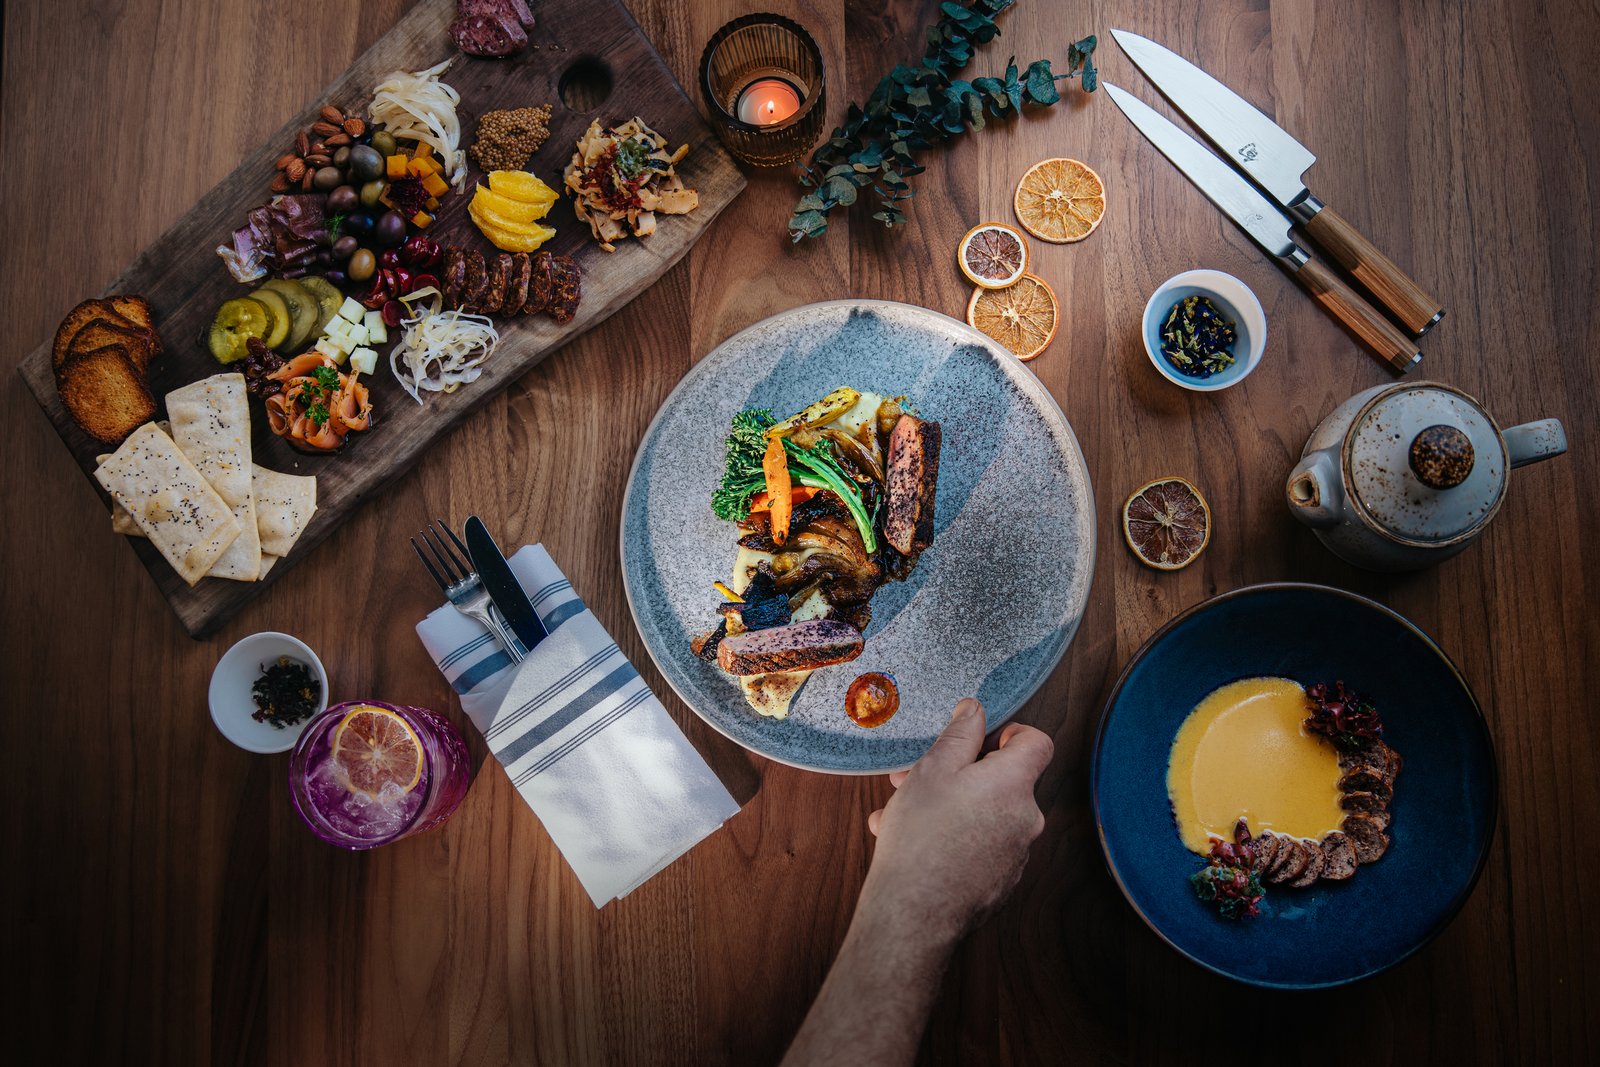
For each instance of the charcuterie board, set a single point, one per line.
(589, 60)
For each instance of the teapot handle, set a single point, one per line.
(1314, 491)
(1533, 441)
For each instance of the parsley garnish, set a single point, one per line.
(633, 158)
(318, 414)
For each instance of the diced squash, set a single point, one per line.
(422, 166)
(424, 150)
(432, 203)
(435, 185)
(396, 167)
(422, 220)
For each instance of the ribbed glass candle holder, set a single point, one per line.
(764, 48)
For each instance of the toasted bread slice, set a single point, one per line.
(97, 323)
(105, 393)
(136, 309)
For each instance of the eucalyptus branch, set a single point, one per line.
(916, 108)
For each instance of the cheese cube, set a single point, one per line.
(351, 310)
(364, 360)
(377, 332)
(327, 347)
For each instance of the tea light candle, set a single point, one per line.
(766, 102)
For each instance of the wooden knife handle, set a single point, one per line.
(1363, 320)
(1388, 284)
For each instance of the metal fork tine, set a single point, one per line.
(465, 567)
(444, 586)
(457, 540)
(431, 539)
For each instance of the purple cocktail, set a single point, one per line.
(365, 773)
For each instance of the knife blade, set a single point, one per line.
(1277, 162)
(1269, 228)
(504, 589)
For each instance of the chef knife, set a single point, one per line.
(502, 584)
(1269, 228)
(1260, 147)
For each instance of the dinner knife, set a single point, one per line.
(504, 589)
(1262, 149)
(1269, 228)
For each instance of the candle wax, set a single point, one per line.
(767, 101)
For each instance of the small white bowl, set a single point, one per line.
(232, 705)
(1234, 299)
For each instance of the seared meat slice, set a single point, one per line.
(1338, 857)
(1377, 757)
(1364, 833)
(1364, 780)
(1296, 860)
(910, 484)
(1313, 869)
(1360, 800)
(800, 646)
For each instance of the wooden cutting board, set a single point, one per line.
(576, 48)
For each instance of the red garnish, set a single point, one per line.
(407, 195)
(1343, 715)
(618, 192)
(1229, 879)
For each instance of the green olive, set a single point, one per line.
(327, 179)
(362, 265)
(341, 158)
(370, 193)
(384, 144)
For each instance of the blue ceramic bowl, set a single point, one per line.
(1444, 799)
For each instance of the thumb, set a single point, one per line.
(961, 741)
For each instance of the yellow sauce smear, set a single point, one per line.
(1244, 753)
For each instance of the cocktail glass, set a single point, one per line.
(340, 811)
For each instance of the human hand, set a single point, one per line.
(953, 840)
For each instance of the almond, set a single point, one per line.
(284, 161)
(354, 127)
(295, 170)
(280, 183)
(302, 143)
(318, 159)
(324, 129)
(332, 114)
(338, 140)
(305, 183)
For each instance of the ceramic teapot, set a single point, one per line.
(1403, 476)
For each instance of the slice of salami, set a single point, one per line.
(455, 276)
(477, 282)
(566, 290)
(490, 36)
(499, 278)
(539, 286)
(517, 288)
(520, 9)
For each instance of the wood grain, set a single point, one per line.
(163, 905)
(185, 283)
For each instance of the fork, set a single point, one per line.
(460, 584)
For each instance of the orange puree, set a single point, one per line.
(1243, 753)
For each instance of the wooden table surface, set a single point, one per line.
(162, 902)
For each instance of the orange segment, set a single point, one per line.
(376, 748)
(1060, 200)
(1023, 317)
(1167, 523)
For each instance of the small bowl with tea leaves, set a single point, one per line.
(265, 689)
(1204, 330)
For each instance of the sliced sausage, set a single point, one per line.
(1294, 865)
(1364, 780)
(499, 280)
(491, 36)
(1361, 800)
(566, 289)
(1313, 869)
(540, 281)
(1266, 844)
(455, 276)
(517, 288)
(477, 282)
(1368, 838)
(1338, 857)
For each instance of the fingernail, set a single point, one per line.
(965, 709)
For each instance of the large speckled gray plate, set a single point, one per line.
(992, 604)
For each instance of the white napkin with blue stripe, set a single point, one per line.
(617, 786)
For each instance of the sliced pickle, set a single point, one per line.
(303, 311)
(279, 311)
(235, 323)
(328, 299)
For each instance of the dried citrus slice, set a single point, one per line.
(1060, 200)
(992, 255)
(1022, 317)
(375, 748)
(1167, 523)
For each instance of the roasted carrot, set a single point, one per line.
(798, 495)
(775, 465)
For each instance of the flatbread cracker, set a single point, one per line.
(284, 505)
(211, 425)
(190, 525)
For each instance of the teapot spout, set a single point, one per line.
(1313, 491)
(1533, 441)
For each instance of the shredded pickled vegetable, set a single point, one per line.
(441, 350)
(420, 107)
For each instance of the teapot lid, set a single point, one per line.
(1425, 463)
